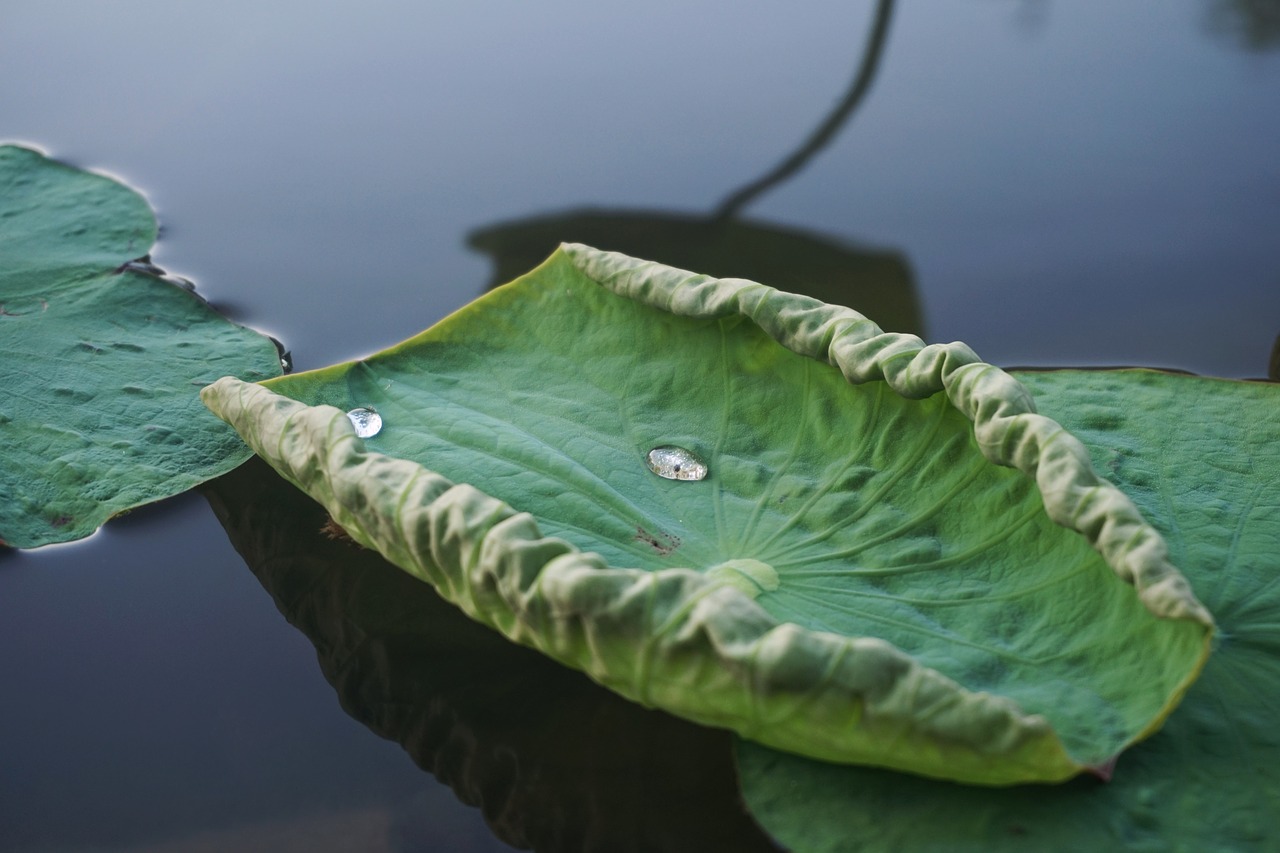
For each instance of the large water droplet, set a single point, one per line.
(676, 463)
(367, 422)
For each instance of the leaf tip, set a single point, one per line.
(1103, 771)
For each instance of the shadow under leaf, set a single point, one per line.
(875, 282)
(554, 761)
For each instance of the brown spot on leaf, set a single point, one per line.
(663, 543)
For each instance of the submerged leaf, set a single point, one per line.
(1202, 457)
(101, 358)
(853, 579)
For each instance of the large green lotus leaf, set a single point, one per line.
(1202, 458)
(100, 362)
(853, 579)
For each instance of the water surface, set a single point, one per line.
(1054, 183)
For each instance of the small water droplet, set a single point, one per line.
(367, 422)
(676, 463)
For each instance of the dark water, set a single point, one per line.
(1053, 183)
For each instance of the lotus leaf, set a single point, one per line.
(854, 578)
(1202, 457)
(102, 359)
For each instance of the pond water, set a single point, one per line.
(1078, 183)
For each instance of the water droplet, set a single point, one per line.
(367, 422)
(676, 463)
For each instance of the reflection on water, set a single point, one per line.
(555, 762)
(738, 200)
(1252, 25)
(876, 282)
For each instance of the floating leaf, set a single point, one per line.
(1202, 458)
(853, 579)
(101, 358)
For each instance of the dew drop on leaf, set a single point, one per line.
(676, 463)
(367, 422)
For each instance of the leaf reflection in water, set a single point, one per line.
(553, 761)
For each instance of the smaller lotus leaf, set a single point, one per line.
(850, 577)
(101, 360)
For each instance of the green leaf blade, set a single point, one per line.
(100, 364)
(899, 551)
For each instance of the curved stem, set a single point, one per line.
(826, 131)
